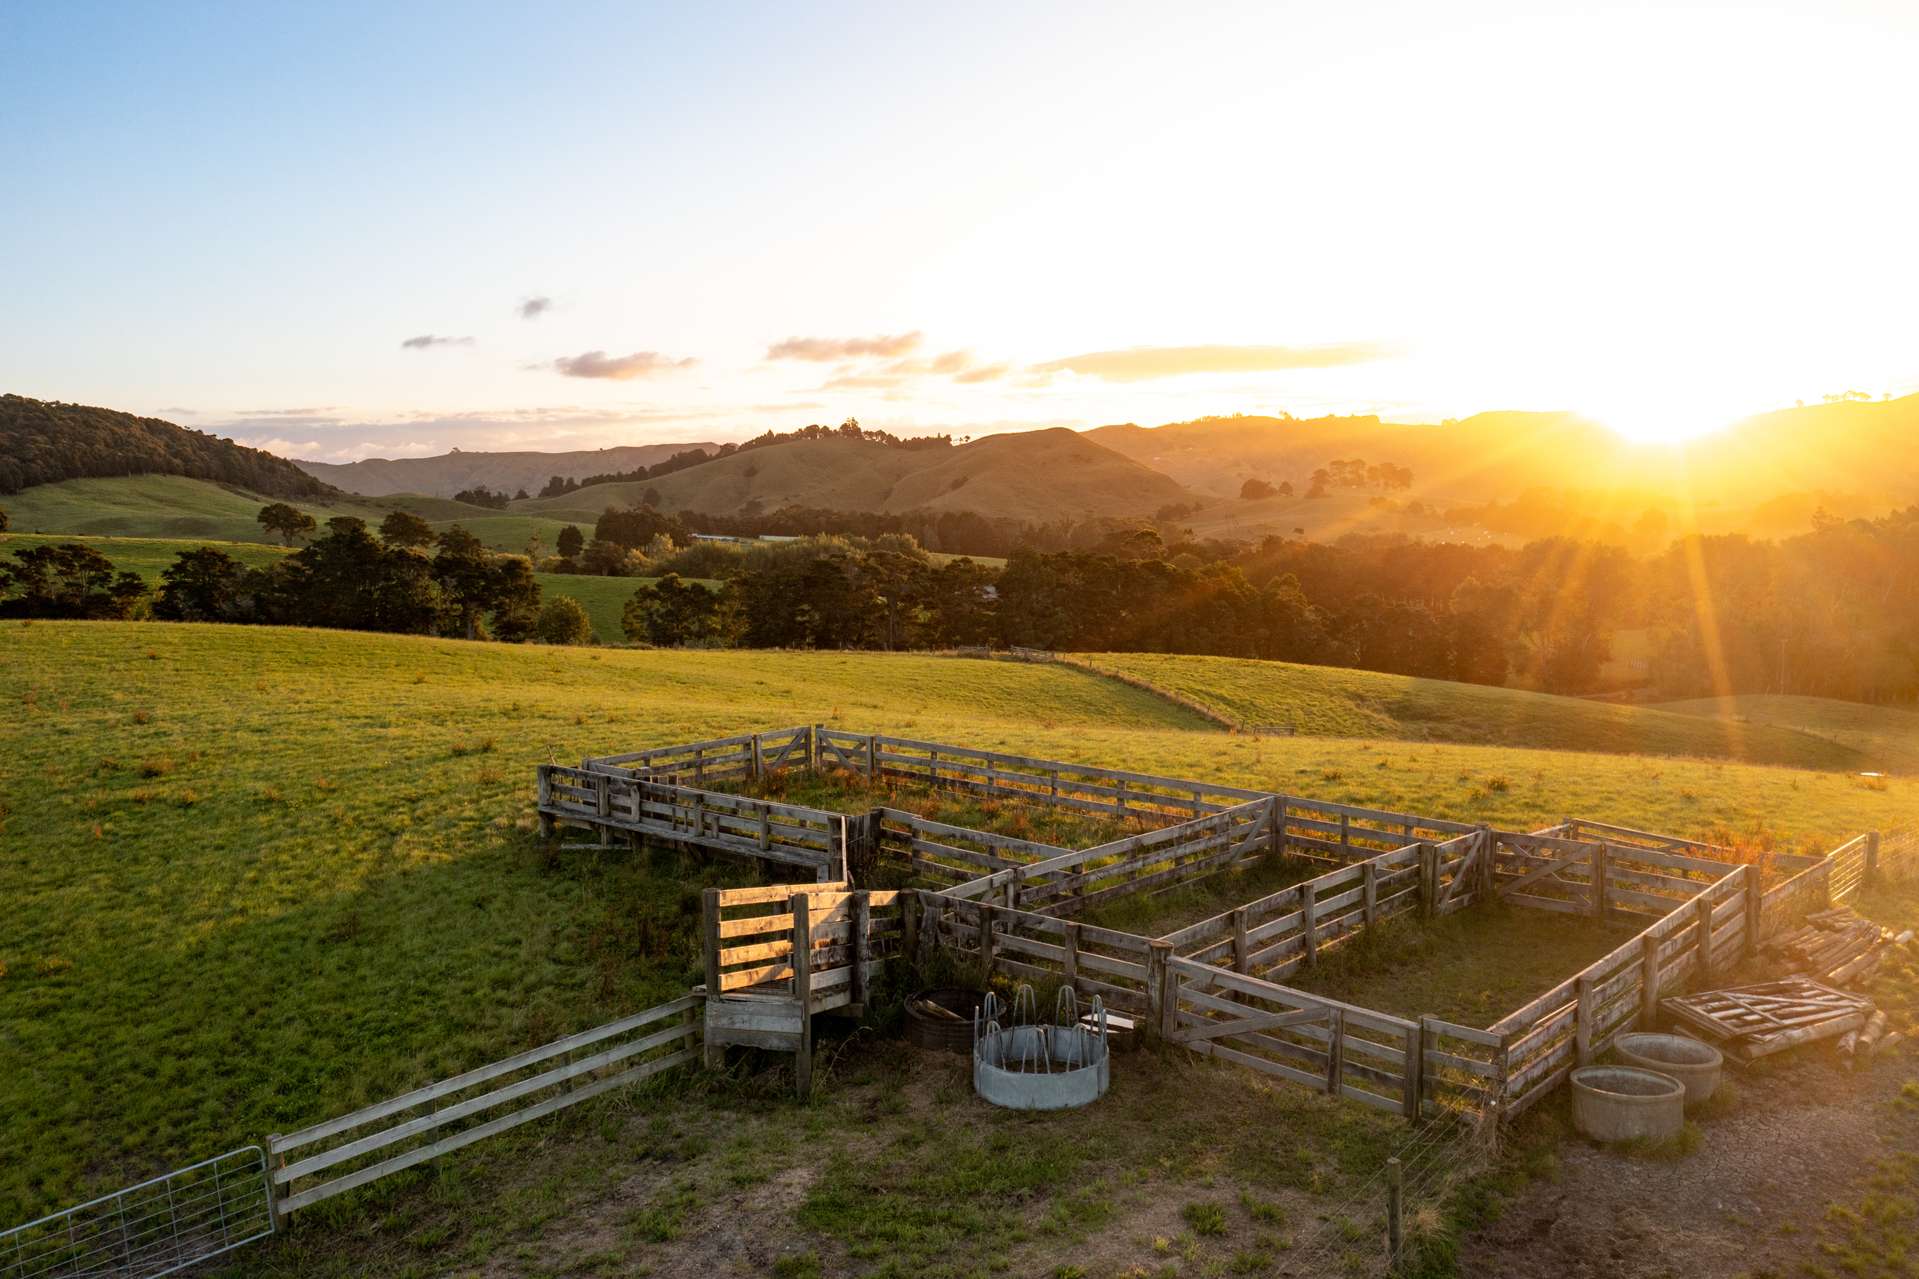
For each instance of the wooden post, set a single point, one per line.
(1070, 962)
(1395, 1189)
(909, 907)
(602, 797)
(1428, 879)
(1583, 1021)
(1168, 995)
(1417, 1040)
(546, 798)
(1309, 920)
(1276, 825)
(714, 1054)
(1755, 906)
(1649, 982)
(803, 991)
(1486, 861)
(275, 1218)
(986, 942)
(759, 759)
(1242, 959)
(1600, 907)
(872, 757)
(862, 903)
(1703, 906)
(1335, 1051)
(1345, 837)
(1156, 952)
(1872, 856)
(1369, 874)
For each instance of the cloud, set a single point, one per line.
(825, 350)
(1140, 363)
(984, 373)
(534, 307)
(428, 340)
(861, 382)
(619, 368)
(951, 362)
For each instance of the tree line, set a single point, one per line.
(346, 578)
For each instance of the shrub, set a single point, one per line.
(563, 621)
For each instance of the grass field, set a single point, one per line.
(259, 876)
(174, 507)
(1337, 702)
(1886, 738)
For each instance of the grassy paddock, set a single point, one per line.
(1336, 702)
(258, 876)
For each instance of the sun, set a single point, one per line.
(1662, 415)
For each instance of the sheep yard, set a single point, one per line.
(261, 878)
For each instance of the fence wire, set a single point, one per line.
(156, 1228)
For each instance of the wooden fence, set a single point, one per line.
(603, 799)
(1027, 945)
(1344, 833)
(416, 1126)
(745, 758)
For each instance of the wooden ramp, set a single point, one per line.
(779, 954)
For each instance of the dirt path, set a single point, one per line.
(1751, 1200)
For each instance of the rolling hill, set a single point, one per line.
(1029, 475)
(43, 442)
(1886, 738)
(1323, 701)
(451, 473)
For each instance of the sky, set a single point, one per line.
(390, 229)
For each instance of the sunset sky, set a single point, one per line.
(352, 230)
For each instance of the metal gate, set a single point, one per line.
(155, 1228)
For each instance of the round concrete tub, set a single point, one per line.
(1698, 1066)
(1621, 1103)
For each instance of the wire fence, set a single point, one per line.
(158, 1227)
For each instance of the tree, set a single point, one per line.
(204, 585)
(569, 542)
(288, 522)
(4, 522)
(563, 621)
(1252, 490)
(605, 559)
(403, 528)
(67, 580)
(349, 579)
(671, 613)
(635, 526)
(474, 582)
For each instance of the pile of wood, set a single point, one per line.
(1750, 1022)
(1837, 947)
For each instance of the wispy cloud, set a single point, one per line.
(534, 307)
(983, 373)
(427, 341)
(826, 350)
(1141, 363)
(619, 368)
(861, 382)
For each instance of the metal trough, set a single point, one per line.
(1026, 1065)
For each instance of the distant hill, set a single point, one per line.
(1885, 737)
(45, 442)
(455, 472)
(1028, 475)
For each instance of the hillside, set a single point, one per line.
(44, 442)
(1030, 475)
(1885, 737)
(1324, 701)
(451, 473)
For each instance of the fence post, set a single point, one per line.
(1277, 817)
(544, 772)
(1872, 857)
(1345, 837)
(1309, 920)
(1599, 904)
(1335, 1050)
(1428, 879)
(909, 904)
(1703, 908)
(1583, 1019)
(1241, 957)
(759, 760)
(1416, 1038)
(803, 990)
(1486, 880)
(1156, 952)
(872, 757)
(1369, 875)
(862, 920)
(1755, 906)
(275, 1218)
(1648, 982)
(1070, 961)
(986, 941)
(1395, 1188)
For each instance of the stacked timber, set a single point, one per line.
(1750, 1022)
(1837, 947)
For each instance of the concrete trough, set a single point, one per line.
(1696, 1065)
(1625, 1103)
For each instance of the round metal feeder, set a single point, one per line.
(1024, 1065)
